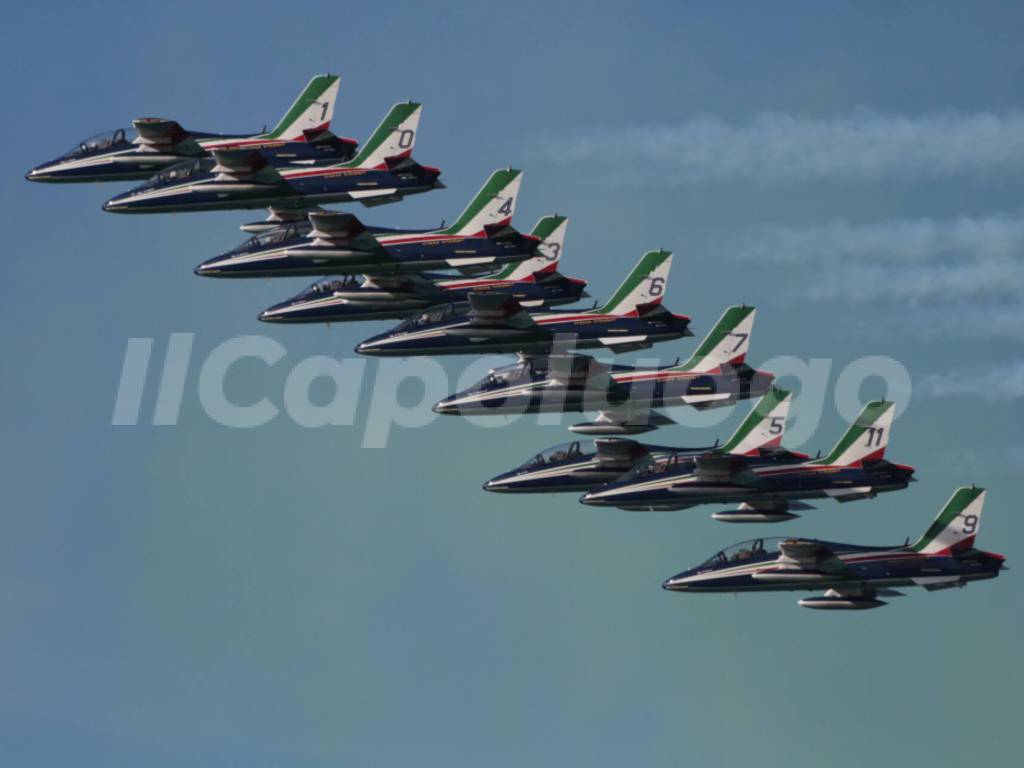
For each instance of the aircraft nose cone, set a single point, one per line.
(674, 584)
(444, 407)
(38, 174)
(368, 347)
(590, 499)
(495, 485)
(275, 314)
(209, 269)
(115, 205)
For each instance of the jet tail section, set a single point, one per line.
(311, 112)
(494, 204)
(726, 344)
(393, 139)
(550, 230)
(764, 427)
(957, 524)
(643, 288)
(867, 437)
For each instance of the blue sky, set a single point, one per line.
(283, 596)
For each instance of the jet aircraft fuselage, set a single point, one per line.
(686, 486)
(759, 566)
(534, 385)
(199, 187)
(299, 255)
(334, 301)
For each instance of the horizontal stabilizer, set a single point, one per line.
(855, 493)
(932, 583)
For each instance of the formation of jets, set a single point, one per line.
(481, 285)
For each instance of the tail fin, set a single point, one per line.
(764, 427)
(957, 524)
(866, 438)
(550, 230)
(643, 287)
(494, 204)
(395, 137)
(313, 109)
(727, 344)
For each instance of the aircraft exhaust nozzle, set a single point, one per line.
(840, 603)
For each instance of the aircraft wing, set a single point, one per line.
(618, 452)
(810, 556)
(405, 282)
(163, 135)
(579, 370)
(343, 231)
(495, 316)
(725, 468)
(245, 165)
(495, 310)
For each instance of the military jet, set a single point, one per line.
(533, 282)
(855, 469)
(492, 322)
(153, 144)
(588, 465)
(338, 243)
(716, 375)
(854, 577)
(382, 172)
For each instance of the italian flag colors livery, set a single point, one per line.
(643, 288)
(312, 111)
(764, 427)
(493, 206)
(726, 344)
(853, 577)
(956, 526)
(866, 439)
(393, 139)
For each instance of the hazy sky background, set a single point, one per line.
(199, 595)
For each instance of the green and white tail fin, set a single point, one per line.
(312, 111)
(550, 230)
(764, 427)
(957, 524)
(394, 138)
(726, 344)
(493, 205)
(643, 288)
(867, 437)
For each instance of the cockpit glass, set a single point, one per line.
(745, 550)
(184, 170)
(102, 141)
(270, 237)
(329, 286)
(435, 314)
(655, 464)
(507, 376)
(562, 452)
